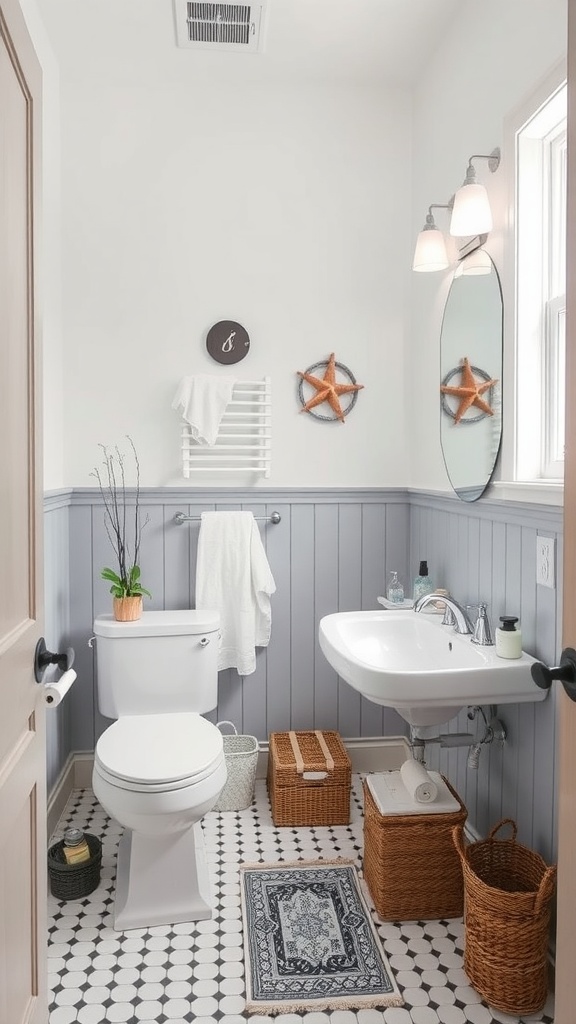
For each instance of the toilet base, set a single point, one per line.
(161, 879)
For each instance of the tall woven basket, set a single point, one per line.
(507, 902)
(241, 756)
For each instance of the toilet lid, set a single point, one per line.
(155, 749)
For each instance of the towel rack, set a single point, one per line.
(181, 517)
(243, 441)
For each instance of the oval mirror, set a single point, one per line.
(471, 375)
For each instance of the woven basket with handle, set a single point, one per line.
(507, 902)
(241, 756)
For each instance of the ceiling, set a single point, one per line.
(349, 41)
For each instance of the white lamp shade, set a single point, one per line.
(430, 252)
(471, 214)
(478, 262)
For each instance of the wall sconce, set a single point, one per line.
(472, 214)
(430, 252)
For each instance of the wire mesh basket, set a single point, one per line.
(241, 756)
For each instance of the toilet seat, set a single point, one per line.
(159, 753)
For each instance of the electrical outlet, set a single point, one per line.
(545, 575)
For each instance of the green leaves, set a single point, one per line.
(125, 587)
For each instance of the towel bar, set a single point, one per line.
(181, 517)
(243, 444)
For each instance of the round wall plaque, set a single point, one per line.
(227, 342)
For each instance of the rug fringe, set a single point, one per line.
(335, 862)
(273, 1009)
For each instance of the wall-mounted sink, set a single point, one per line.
(409, 661)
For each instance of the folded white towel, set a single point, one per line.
(391, 796)
(203, 400)
(418, 781)
(233, 575)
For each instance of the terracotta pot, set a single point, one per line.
(127, 609)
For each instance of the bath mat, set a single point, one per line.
(309, 942)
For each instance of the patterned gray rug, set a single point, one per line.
(309, 942)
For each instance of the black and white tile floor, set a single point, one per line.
(195, 972)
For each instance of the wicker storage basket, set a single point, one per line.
(300, 800)
(410, 865)
(73, 881)
(241, 756)
(508, 891)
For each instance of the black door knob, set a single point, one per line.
(565, 672)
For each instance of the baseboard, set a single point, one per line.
(367, 753)
(76, 774)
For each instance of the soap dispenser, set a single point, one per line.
(422, 582)
(395, 591)
(508, 638)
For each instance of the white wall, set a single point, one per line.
(285, 209)
(491, 58)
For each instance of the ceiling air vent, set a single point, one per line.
(233, 27)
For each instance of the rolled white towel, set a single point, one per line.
(418, 782)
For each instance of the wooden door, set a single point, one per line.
(565, 987)
(22, 740)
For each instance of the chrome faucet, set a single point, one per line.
(455, 615)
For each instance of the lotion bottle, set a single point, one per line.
(422, 582)
(508, 638)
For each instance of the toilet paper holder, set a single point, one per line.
(43, 657)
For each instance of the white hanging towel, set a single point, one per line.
(203, 400)
(233, 575)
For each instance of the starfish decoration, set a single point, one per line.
(469, 392)
(328, 389)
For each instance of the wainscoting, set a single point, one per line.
(486, 551)
(331, 551)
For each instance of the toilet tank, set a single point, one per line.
(166, 661)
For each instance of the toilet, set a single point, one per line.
(160, 767)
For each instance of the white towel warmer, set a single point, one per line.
(244, 436)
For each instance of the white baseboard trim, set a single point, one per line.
(76, 774)
(367, 754)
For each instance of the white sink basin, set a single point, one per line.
(409, 661)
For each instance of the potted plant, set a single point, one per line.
(124, 525)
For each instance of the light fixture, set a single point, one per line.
(472, 214)
(430, 252)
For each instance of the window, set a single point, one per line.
(540, 292)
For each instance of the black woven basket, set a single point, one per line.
(72, 881)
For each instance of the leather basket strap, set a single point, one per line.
(297, 752)
(324, 748)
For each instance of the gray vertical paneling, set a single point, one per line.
(495, 561)
(325, 602)
(279, 654)
(302, 634)
(349, 599)
(81, 618)
(333, 550)
(254, 691)
(176, 544)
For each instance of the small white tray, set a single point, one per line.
(395, 604)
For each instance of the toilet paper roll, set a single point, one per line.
(54, 693)
(418, 782)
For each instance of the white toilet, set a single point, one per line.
(160, 767)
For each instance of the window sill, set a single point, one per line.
(540, 492)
